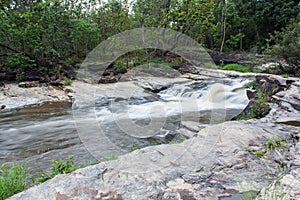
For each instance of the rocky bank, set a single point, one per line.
(217, 162)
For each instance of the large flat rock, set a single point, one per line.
(204, 167)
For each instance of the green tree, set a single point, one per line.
(287, 47)
(263, 18)
(112, 18)
(47, 32)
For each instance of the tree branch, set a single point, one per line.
(17, 51)
(12, 49)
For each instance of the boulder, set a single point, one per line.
(211, 165)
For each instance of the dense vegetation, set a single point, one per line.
(43, 36)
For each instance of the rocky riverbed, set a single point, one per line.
(220, 160)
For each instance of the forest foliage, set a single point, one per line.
(43, 35)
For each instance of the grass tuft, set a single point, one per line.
(68, 82)
(60, 167)
(13, 179)
(236, 67)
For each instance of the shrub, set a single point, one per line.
(236, 67)
(68, 81)
(260, 108)
(59, 167)
(13, 179)
(120, 65)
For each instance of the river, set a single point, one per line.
(114, 119)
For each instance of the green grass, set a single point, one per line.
(270, 145)
(259, 153)
(285, 75)
(274, 143)
(68, 82)
(13, 179)
(236, 67)
(60, 167)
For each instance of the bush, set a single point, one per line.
(13, 179)
(236, 67)
(258, 107)
(120, 65)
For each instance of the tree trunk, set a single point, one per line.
(223, 26)
(167, 8)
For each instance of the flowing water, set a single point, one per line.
(114, 119)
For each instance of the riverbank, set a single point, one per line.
(13, 96)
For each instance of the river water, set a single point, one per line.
(114, 119)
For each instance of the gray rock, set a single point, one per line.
(191, 126)
(154, 172)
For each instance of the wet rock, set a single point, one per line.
(2, 107)
(251, 94)
(28, 84)
(157, 84)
